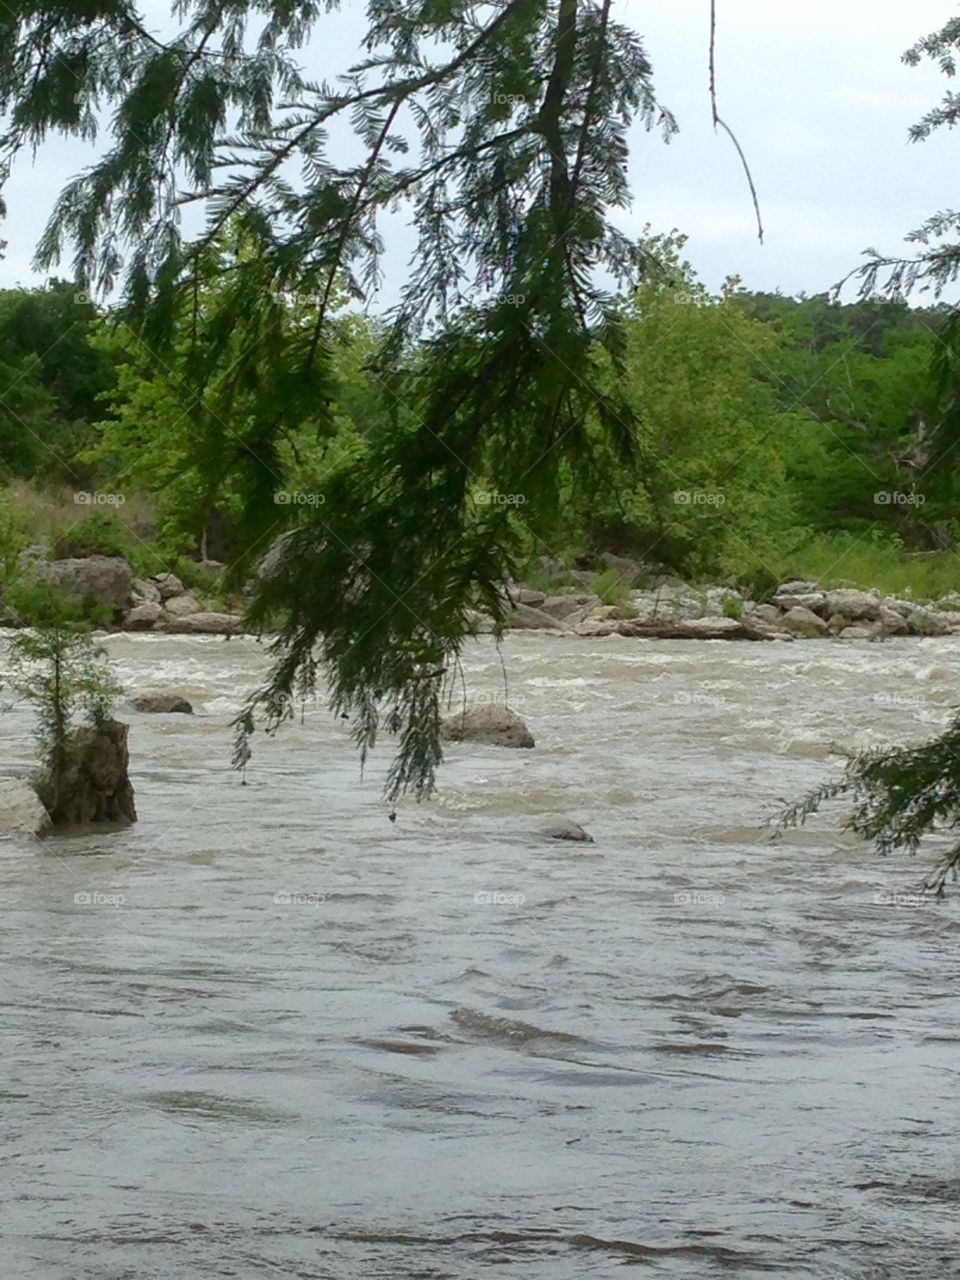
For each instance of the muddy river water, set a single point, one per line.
(269, 1032)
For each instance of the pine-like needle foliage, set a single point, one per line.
(903, 794)
(501, 129)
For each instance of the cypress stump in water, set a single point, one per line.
(93, 785)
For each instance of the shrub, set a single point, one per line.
(56, 666)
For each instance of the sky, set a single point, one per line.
(815, 91)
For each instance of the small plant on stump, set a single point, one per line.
(56, 666)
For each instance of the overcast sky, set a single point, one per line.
(815, 91)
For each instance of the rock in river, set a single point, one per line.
(493, 725)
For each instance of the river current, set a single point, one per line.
(268, 1031)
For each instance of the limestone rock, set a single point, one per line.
(143, 617)
(103, 579)
(169, 585)
(180, 606)
(146, 591)
(853, 604)
(21, 809)
(96, 786)
(566, 830)
(491, 724)
(525, 617)
(162, 703)
(206, 624)
(803, 622)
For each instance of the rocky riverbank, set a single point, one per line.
(661, 606)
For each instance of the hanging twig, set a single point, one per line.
(722, 123)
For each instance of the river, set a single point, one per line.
(269, 1032)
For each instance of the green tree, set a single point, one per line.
(904, 794)
(55, 665)
(706, 492)
(52, 377)
(503, 131)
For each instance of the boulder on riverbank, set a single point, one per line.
(21, 810)
(491, 725)
(102, 579)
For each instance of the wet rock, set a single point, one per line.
(21, 810)
(856, 605)
(103, 579)
(927, 622)
(605, 613)
(525, 617)
(838, 623)
(802, 622)
(859, 633)
(598, 627)
(143, 617)
(205, 624)
(181, 606)
(161, 703)
(893, 622)
(169, 585)
(96, 786)
(566, 830)
(562, 607)
(525, 595)
(492, 725)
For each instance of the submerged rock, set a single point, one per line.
(22, 811)
(161, 703)
(567, 831)
(493, 725)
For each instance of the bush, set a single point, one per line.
(99, 534)
(56, 666)
(611, 587)
(732, 608)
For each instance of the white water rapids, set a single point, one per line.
(267, 1032)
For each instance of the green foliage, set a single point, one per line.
(52, 377)
(899, 797)
(733, 608)
(611, 588)
(873, 561)
(56, 666)
(98, 534)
